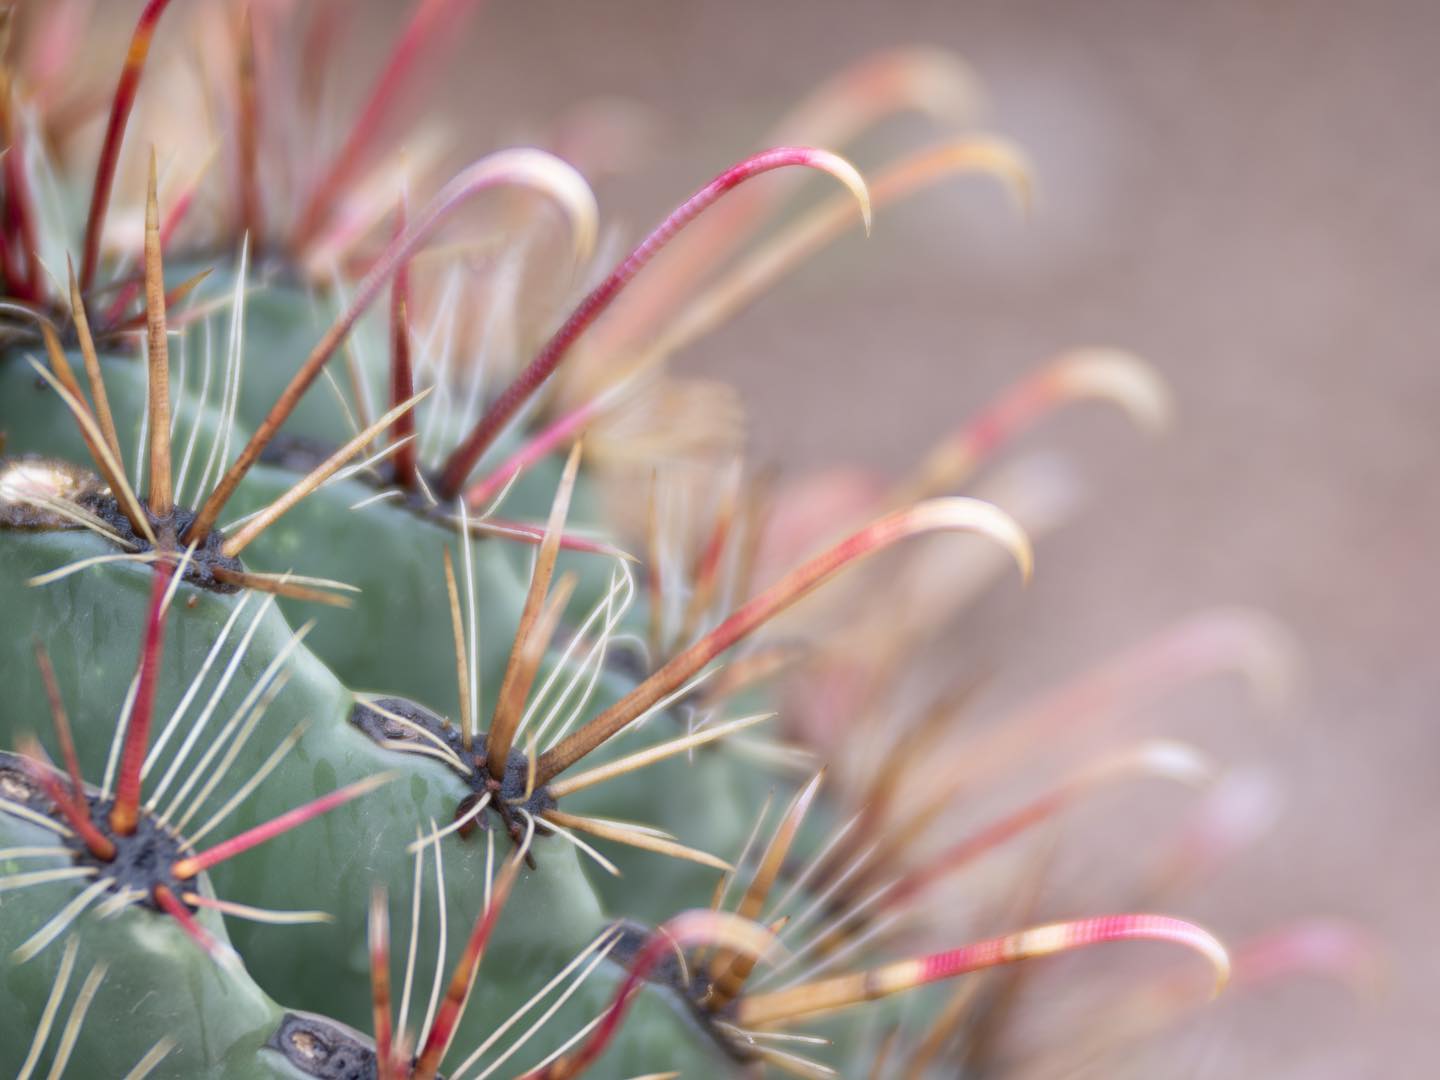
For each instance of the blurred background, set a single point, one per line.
(1243, 193)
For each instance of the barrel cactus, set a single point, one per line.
(326, 577)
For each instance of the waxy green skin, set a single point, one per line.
(91, 621)
(392, 557)
(397, 634)
(158, 983)
(397, 637)
(396, 640)
(91, 624)
(282, 322)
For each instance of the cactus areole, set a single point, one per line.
(140, 863)
(687, 984)
(29, 482)
(324, 1049)
(392, 721)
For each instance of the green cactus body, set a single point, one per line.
(280, 324)
(381, 641)
(90, 632)
(391, 637)
(396, 639)
(555, 910)
(552, 915)
(158, 984)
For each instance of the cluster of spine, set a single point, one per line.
(323, 578)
